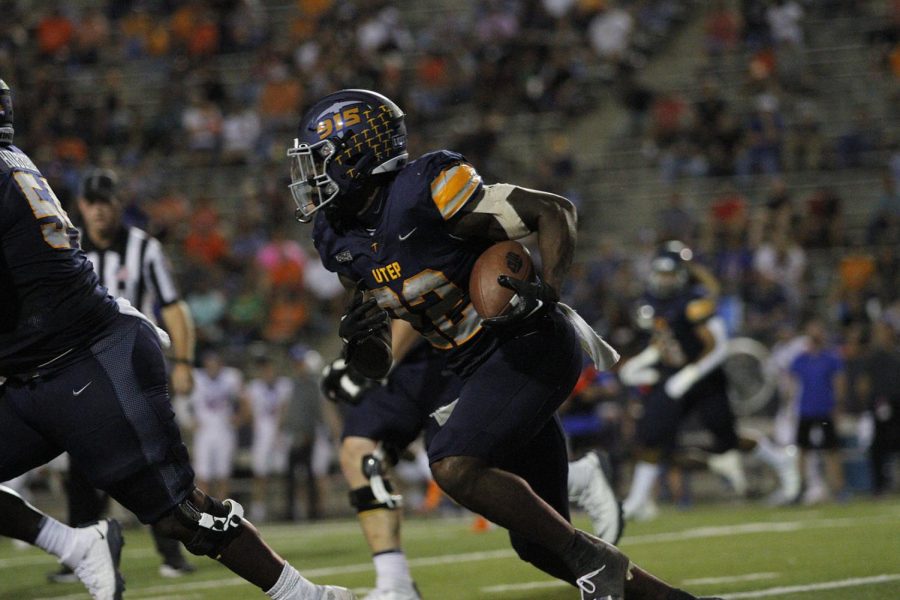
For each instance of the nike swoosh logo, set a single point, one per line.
(74, 393)
(412, 231)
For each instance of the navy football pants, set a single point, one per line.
(110, 410)
(506, 415)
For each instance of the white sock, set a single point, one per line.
(767, 452)
(579, 476)
(392, 571)
(291, 585)
(645, 475)
(62, 541)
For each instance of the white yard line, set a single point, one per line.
(521, 587)
(815, 587)
(688, 534)
(729, 579)
(310, 573)
(753, 528)
(776, 591)
(45, 559)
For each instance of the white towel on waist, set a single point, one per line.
(603, 355)
(126, 308)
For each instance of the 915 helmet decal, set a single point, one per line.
(345, 144)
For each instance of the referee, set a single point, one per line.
(131, 265)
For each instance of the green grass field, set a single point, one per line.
(850, 551)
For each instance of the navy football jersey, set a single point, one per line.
(411, 263)
(675, 319)
(50, 298)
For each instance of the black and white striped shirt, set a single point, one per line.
(135, 268)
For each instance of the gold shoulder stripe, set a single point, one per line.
(700, 310)
(453, 188)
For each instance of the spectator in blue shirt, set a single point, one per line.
(820, 388)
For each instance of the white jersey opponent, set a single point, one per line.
(213, 402)
(267, 400)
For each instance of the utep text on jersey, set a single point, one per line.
(411, 263)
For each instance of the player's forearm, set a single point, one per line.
(557, 234)
(715, 349)
(715, 339)
(180, 326)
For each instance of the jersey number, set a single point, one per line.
(435, 307)
(56, 227)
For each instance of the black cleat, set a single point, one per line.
(609, 568)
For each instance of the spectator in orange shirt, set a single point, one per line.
(183, 20)
(856, 271)
(54, 33)
(287, 315)
(204, 40)
(205, 244)
(281, 97)
(722, 30)
(283, 261)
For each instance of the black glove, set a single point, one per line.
(531, 298)
(341, 383)
(362, 319)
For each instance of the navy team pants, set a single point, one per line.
(661, 421)
(506, 415)
(109, 409)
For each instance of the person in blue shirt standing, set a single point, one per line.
(820, 388)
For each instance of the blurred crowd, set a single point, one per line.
(194, 100)
(181, 96)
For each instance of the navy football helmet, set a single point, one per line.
(668, 270)
(6, 114)
(347, 144)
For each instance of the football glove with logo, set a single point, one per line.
(366, 331)
(531, 297)
(362, 319)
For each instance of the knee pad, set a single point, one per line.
(214, 528)
(365, 498)
(379, 492)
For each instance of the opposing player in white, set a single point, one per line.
(217, 390)
(268, 396)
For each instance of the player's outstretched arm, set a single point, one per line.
(712, 333)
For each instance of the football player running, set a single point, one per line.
(383, 418)
(682, 366)
(85, 374)
(408, 233)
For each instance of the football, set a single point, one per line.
(510, 258)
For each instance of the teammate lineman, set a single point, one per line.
(85, 374)
(409, 234)
(130, 264)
